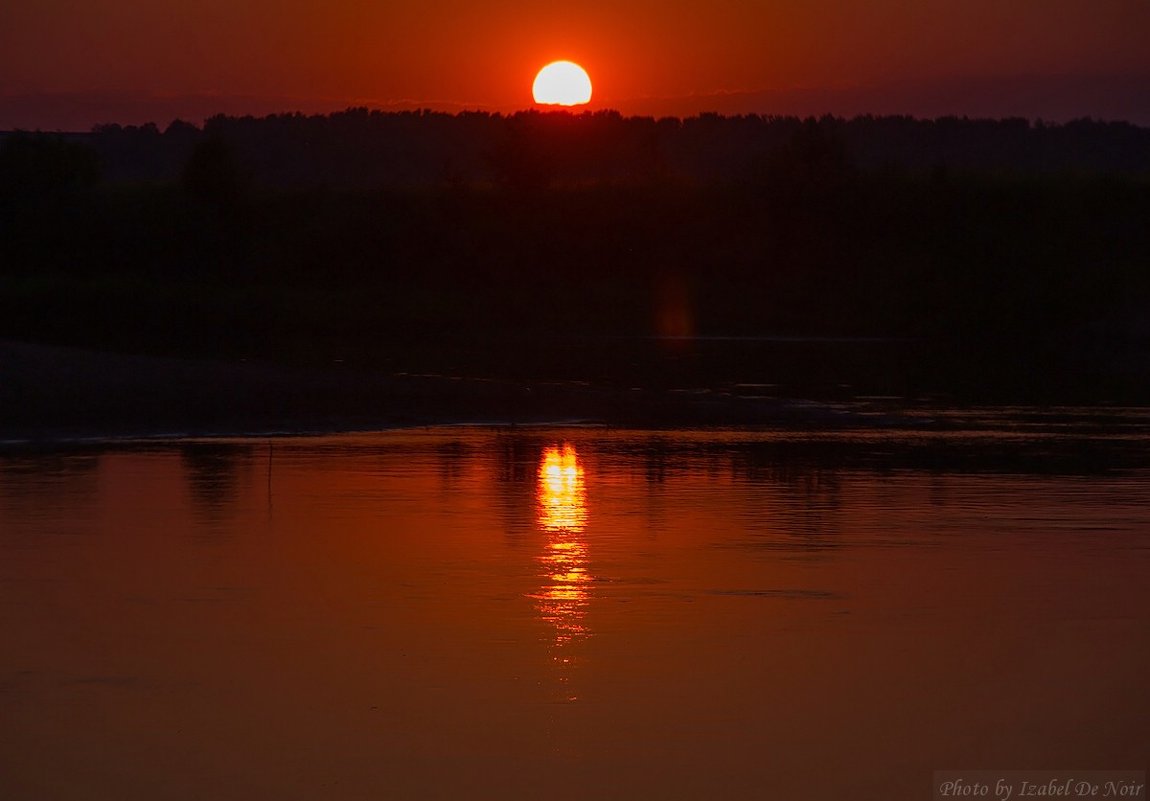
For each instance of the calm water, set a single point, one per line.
(569, 613)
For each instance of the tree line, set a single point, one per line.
(414, 238)
(358, 148)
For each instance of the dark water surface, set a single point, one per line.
(571, 613)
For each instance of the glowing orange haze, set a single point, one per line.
(643, 56)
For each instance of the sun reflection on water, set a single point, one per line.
(562, 496)
(562, 508)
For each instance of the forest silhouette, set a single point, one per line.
(976, 257)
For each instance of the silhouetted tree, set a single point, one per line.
(519, 159)
(814, 159)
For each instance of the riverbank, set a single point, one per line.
(50, 393)
(55, 395)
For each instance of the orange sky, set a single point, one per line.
(123, 57)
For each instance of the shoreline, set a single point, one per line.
(52, 395)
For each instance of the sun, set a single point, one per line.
(562, 83)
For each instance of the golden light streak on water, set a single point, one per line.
(562, 508)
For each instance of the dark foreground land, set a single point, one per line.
(52, 396)
(551, 267)
(59, 394)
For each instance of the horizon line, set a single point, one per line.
(1056, 99)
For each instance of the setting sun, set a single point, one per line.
(562, 83)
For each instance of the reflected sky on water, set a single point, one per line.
(569, 613)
